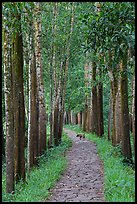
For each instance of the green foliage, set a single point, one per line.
(42, 178)
(111, 28)
(75, 92)
(119, 179)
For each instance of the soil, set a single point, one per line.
(82, 181)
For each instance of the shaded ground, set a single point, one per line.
(83, 179)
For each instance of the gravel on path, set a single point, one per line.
(82, 181)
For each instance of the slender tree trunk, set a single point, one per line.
(32, 112)
(69, 117)
(40, 83)
(125, 134)
(79, 119)
(84, 118)
(94, 102)
(19, 109)
(133, 112)
(26, 79)
(118, 115)
(8, 113)
(61, 103)
(100, 109)
(3, 143)
(54, 65)
(65, 119)
(56, 109)
(51, 105)
(26, 68)
(114, 89)
(110, 118)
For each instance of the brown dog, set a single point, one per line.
(80, 136)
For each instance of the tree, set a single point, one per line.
(18, 97)
(94, 120)
(8, 110)
(133, 112)
(40, 83)
(125, 134)
(32, 112)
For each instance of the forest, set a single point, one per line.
(68, 69)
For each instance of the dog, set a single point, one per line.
(80, 136)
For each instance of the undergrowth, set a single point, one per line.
(119, 178)
(41, 178)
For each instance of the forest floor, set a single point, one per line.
(82, 181)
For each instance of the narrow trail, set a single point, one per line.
(82, 181)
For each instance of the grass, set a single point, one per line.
(119, 179)
(52, 164)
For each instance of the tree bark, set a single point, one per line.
(110, 118)
(3, 142)
(19, 109)
(32, 111)
(118, 116)
(100, 109)
(8, 113)
(40, 83)
(94, 126)
(133, 112)
(114, 89)
(55, 130)
(125, 133)
(84, 119)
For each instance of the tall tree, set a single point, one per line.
(125, 134)
(8, 110)
(133, 112)
(40, 83)
(114, 89)
(32, 111)
(100, 109)
(118, 115)
(18, 97)
(110, 118)
(54, 64)
(94, 125)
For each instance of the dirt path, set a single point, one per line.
(83, 179)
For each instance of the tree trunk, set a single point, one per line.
(40, 83)
(69, 117)
(79, 119)
(3, 142)
(8, 113)
(125, 133)
(100, 109)
(65, 118)
(110, 119)
(26, 70)
(133, 112)
(84, 118)
(51, 105)
(32, 112)
(55, 130)
(114, 89)
(19, 109)
(118, 116)
(94, 102)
